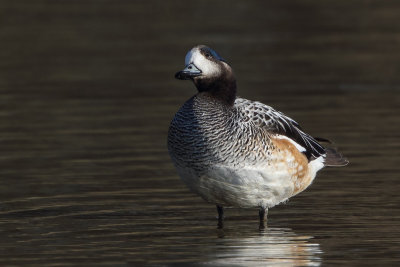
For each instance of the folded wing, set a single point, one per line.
(276, 122)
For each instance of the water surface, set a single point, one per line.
(87, 94)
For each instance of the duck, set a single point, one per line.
(235, 152)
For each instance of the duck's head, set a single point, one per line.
(210, 73)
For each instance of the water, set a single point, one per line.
(87, 94)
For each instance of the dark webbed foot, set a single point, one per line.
(220, 210)
(262, 213)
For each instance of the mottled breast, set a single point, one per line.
(204, 133)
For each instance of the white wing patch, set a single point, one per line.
(299, 147)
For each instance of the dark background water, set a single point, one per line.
(86, 96)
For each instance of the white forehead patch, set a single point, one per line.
(207, 67)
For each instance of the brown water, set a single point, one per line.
(86, 97)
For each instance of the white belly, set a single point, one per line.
(245, 187)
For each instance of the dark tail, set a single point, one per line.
(334, 158)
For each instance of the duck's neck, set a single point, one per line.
(223, 90)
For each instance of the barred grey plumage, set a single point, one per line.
(204, 132)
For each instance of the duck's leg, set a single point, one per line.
(263, 213)
(220, 210)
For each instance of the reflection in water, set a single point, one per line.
(278, 246)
